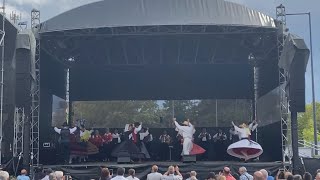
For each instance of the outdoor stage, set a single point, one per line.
(92, 169)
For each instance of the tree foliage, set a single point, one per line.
(305, 123)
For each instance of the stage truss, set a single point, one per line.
(19, 117)
(283, 83)
(35, 92)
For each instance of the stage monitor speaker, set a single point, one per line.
(189, 158)
(123, 157)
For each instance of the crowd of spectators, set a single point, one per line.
(172, 173)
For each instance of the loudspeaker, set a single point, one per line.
(123, 157)
(189, 158)
(297, 82)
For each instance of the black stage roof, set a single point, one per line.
(168, 49)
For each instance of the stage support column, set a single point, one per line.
(26, 143)
(295, 151)
(70, 113)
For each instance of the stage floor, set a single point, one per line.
(88, 170)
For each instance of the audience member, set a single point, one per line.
(132, 174)
(297, 177)
(287, 174)
(120, 174)
(227, 173)
(211, 176)
(59, 175)
(105, 174)
(290, 177)
(170, 174)
(154, 175)
(265, 174)
(244, 175)
(4, 175)
(258, 176)
(307, 176)
(52, 176)
(47, 172)
(192, 174)
(317, 176)
(220, 177)
(280, 175)
(23, 175)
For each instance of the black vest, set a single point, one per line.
(65, 135)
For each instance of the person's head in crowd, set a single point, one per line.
(52, 176)
(24, 172)
(211, 176)
(258, 175)
(280, 175)
(317, 176)
(107, 130)
(165, 132)
(48, 171)
(59, 175)
(220, 131)
(307, 176)
(297, 177)
(226, 171)
(193, 173)
(242, 170)
(120, 171)
(4, 175)
(171, 170)
(290, 177)
(136, 124)
(154, 168)
(115, 131)
(204, 130)
(65, 124)
(132, 173)
(105, 173)
(265, 174)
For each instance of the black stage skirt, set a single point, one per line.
(135, 151)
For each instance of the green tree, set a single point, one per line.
(305, 122)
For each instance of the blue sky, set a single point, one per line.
(296, 24)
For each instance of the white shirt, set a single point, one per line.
(131, 178)
(242, 132)
(154, 176)
(45, 178)
(72, 130)
(185, 131)
(171, 177)
(114, 136)
(119, 178)
(143, 135)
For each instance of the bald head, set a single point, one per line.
(265, 173)
(154, 168)
(258, 176)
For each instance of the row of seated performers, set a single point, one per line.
(81, 144)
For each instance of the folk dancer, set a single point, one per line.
(64, 141)
(187, 131)
(245, 148)
(165, 141)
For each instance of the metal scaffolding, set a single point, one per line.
(2, 33)
(35, 92)
(283, 85)
(18, 130)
